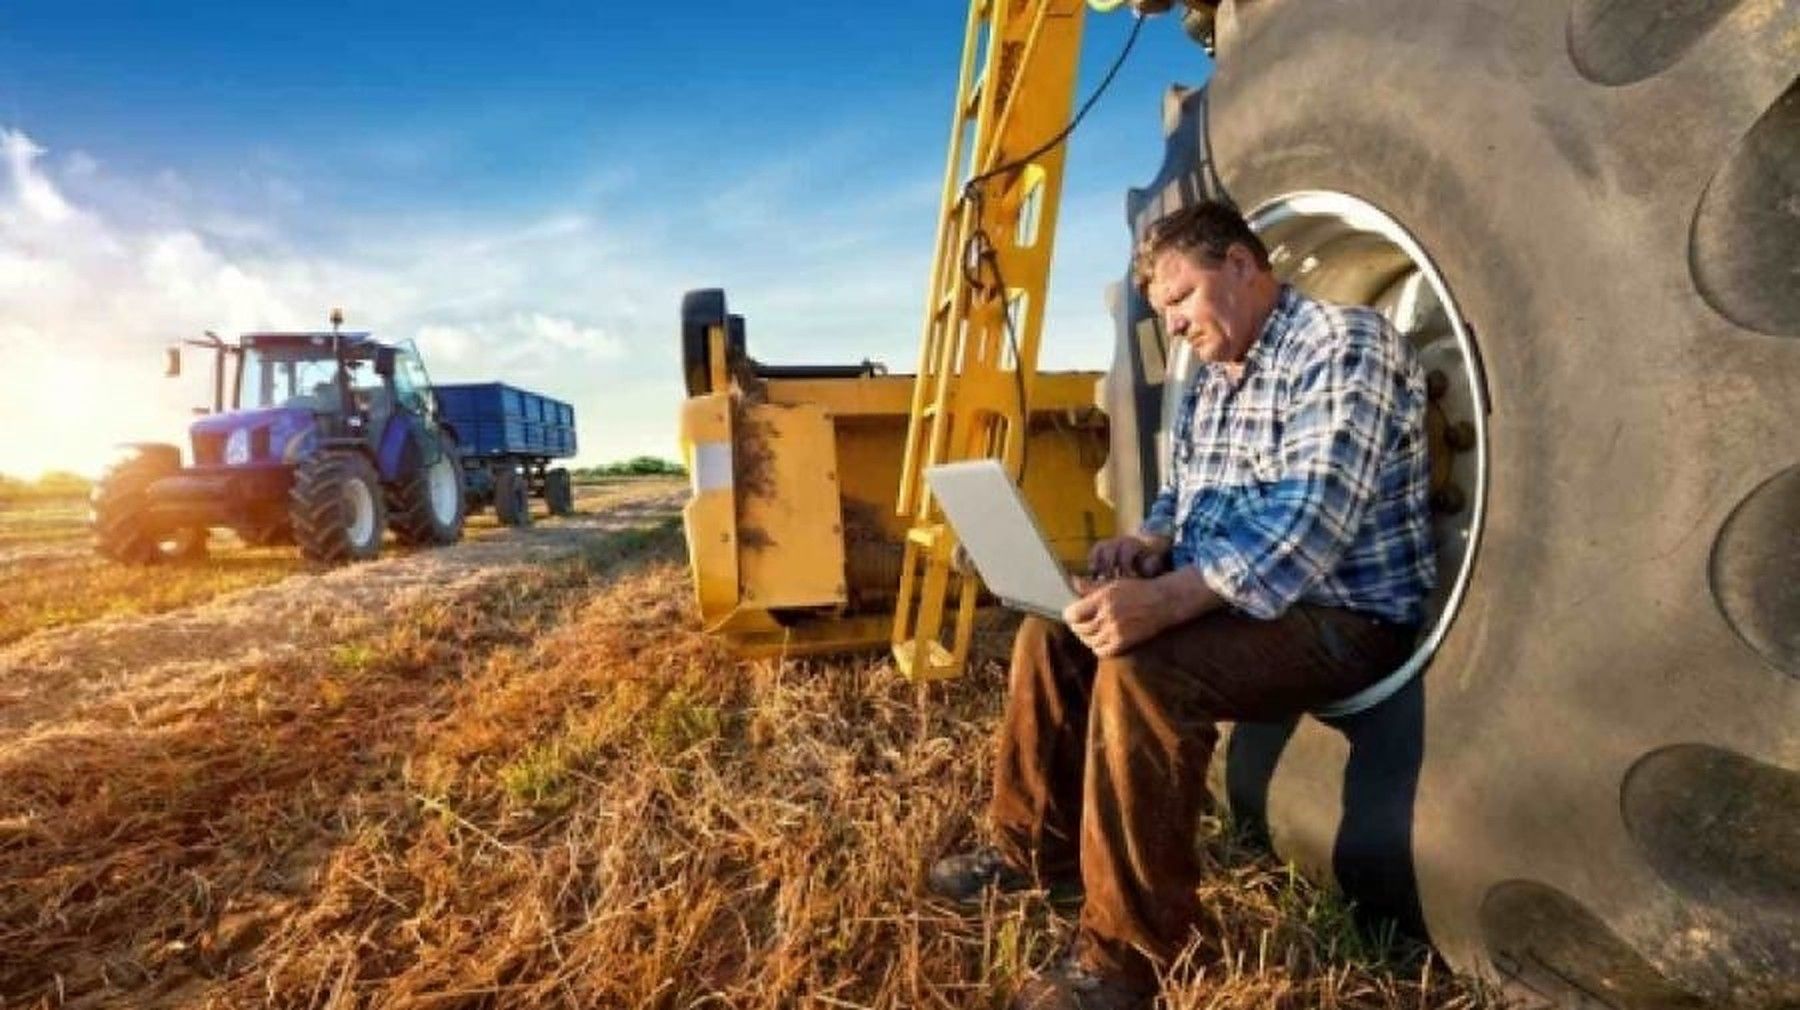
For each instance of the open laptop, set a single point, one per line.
(1002, 536)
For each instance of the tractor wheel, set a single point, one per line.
(559, 492)
(1583, 782)
(336, 508)
(512, 497)
(428, 506)
(122, 528)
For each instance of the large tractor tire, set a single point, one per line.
(1585, 212)
(428, 505)
(559, 492)
(123, 528)
(336, 507)
(512, 497)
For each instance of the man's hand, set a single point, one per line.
(1112, 617)
(1139, 555)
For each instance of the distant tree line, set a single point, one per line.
(637, 466)
(63, 484)
(53, 484)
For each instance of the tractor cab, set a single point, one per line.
(348, 381)
(275, 395)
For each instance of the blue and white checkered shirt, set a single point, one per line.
(1307, 480)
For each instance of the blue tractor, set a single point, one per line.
(324, 440)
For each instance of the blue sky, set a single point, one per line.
(523, 188)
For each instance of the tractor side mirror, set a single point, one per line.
(384, 362)
(172, 363)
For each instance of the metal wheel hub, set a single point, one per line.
(359, 504)
(443, 486)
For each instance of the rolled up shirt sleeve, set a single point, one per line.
(1292, 531)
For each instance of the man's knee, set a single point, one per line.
(1044, 652)
(1135, 686)
(1037, 630)
(1118, 680)
(1039, 639)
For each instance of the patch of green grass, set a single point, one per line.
(353, 657)
(540, 778)
(679, 722)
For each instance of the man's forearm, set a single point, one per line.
(1185, 594)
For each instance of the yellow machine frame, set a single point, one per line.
(811, 529)
(984, 307)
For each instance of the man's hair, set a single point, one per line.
(1203, 232)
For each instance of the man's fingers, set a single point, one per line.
(1091, 637)
(1080, 612)
(1100, 557)
(1106, 558)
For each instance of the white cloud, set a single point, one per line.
(34, 194)
(95, 288)
(576, 298)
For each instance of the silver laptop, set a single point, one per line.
(1002, 536)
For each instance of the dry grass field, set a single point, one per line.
(513, 773)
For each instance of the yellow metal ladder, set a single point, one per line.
(985, 301)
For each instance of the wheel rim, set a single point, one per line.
(361, 504)
(1341, 248)
(443, 486)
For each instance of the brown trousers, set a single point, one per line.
(1102, 764)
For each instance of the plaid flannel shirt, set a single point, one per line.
(1307, 480)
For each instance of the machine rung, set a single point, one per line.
(939, 662)
(925, 536)
(973, 105)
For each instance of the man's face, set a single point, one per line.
(1208, 307)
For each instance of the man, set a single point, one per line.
(1282, 567)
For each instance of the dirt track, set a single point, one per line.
(53, 677)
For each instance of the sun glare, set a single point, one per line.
(79, 409)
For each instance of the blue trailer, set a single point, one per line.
(507, 438)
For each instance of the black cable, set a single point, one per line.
(979, 251)
(1137, 25)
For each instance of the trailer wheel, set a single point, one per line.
(189, 543)
(512, 497)
(427, 506)
(1607, 192)
(336, 507)
(559, 492)
(123, 530)
(274, 533)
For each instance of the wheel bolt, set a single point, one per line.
(1436, 384)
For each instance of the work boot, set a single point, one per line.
(1069, 986)
(966, 876)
